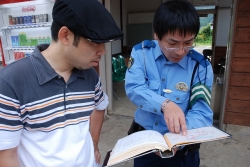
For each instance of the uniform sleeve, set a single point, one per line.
(101, 99)
(10, 121)
(200, 114)
(140, 91)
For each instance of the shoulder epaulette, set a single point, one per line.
(145, 44)
(198, 57)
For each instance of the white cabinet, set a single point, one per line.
(24, 25)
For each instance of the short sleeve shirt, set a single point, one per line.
(45, 117)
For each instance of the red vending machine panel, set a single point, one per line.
(1, 53)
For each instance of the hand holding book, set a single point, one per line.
(147, 141)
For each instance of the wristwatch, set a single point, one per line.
(164, 104)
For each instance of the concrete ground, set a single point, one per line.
(234, 152)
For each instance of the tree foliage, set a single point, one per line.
(205, 35)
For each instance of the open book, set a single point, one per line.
(147, 141)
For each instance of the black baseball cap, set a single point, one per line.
(88, 18)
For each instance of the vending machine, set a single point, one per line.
(1, 52)
(24, 25)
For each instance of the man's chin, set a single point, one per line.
(85, 67)
(176, 60)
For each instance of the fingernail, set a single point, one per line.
(184, 133)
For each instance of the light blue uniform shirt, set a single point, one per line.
(146, 79)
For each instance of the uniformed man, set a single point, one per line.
(170, 82)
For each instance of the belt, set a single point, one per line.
(188, 148)
(135, 127)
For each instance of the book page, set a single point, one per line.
(198, 135)
(137, 144)
(138, 139)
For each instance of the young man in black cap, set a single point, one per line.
(52, 103)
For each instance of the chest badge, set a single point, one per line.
(181, 86)
(167, 91)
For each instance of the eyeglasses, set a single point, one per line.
(185, 48)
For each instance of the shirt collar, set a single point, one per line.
(157, 50)
(43, 69)
(183, 62)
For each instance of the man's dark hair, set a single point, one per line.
(176, 15)
(54, 33)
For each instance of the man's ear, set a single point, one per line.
(156, 36)
(64, 35)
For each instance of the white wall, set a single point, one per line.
(138, 11)
(223, 22)
(223, 26)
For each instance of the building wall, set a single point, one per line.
(115, 12)
(237, 108)
(223, 25)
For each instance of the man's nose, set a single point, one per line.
(102, 50)
(180, 51)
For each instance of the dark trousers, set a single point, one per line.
(191, 159)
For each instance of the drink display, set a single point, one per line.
(21, 20)
(37, 19)
(17, 20)
(22, 40)
(10, 20)
(13, 20)
(41, 18)
(45, 18)
(29, 19)
(33, 19)
(19, 55)
(14, 41)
